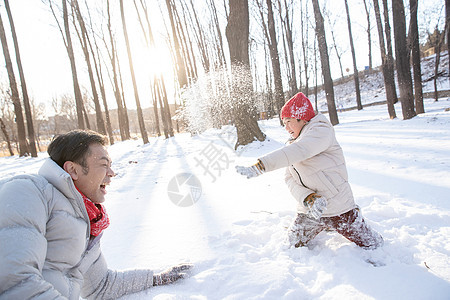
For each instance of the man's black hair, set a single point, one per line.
(74, 146)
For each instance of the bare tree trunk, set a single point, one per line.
(69, 48)
(166, 107)
(355, 68)
(369, 36)
(200, 39)
(447, 27)
(7, 139)
(84, 45)
(389, 86)
(99, 74)
(180, 64)
(86, 117)
(220, 51)
(338, 55)
(304, 38)
(287, 22)
(402, 61)
(315, 75)
(439, 42)
(155, 84)
(278, 83)
(136, 94)
(23, 149)
(121, 112)
(237, 33)
(390, 56)
(415, 55)
(325, 62)
(155, 105)
(159, 88)
(161, 107)
(26, 100)
(126, 119)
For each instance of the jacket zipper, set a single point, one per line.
(299, 177)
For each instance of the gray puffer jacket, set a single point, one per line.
(45, 246)
(315, 164)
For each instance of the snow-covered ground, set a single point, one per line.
(400, 174)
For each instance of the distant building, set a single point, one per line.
(428, 52)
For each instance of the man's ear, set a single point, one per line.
(71, 168)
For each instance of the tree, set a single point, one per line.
(23, 149)
(304, 39)
(270, 34)
(98, 71)
(133, 78)
(387, 76)
(369, 36)
(26, 100)
(415, 55)
(402, 60)
(121, 110)
(438, 42)
(180, 63)
(289, 48)
(389, 54)
(237, 33)
(335, 47)
(6, 135)
(447, 26)
(355, 69)
(325, 62)
(158, 85)
(69, 48)
(83, 37)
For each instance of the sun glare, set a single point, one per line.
(154, 62)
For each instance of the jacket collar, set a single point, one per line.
(59, 179)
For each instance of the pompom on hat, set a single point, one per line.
(298, 107)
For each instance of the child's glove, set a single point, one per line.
(252, 171)
(171, 275)
(317, 204)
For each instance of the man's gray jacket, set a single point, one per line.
(45, 246)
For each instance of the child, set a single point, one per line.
(316, 176)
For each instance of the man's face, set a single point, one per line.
(98, 166)
(293, 126)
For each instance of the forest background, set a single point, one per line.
(130, 69)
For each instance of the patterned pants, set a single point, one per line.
(350, 224)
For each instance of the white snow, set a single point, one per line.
(400, 174)
(234, 232)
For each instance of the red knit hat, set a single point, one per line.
(298, 107)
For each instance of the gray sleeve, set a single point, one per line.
(23, 246)
(103, 283)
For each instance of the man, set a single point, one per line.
(316, 176)
(51, 225)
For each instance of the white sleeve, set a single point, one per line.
(316, 140)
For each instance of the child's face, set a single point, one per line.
(293, 126)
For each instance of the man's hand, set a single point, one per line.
(317, 205)
(252, 171)
(171, 275)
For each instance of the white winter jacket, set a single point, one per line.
(45, 249)
(315, 164)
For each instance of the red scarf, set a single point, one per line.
(97, 215)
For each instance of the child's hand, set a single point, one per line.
(317, 205)
(252, 171)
